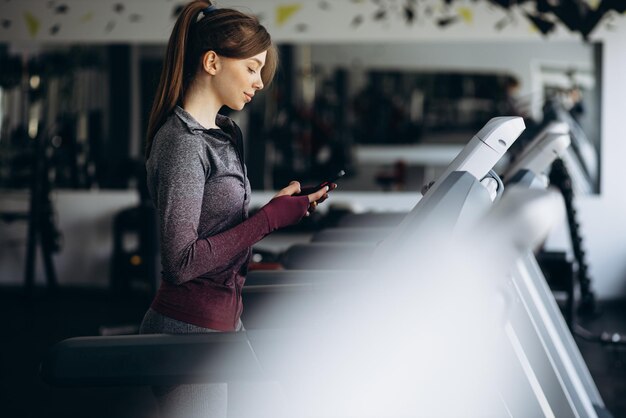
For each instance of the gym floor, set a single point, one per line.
(33, 324)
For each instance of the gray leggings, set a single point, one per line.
(186, 401)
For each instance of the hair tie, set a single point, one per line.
(205, 12)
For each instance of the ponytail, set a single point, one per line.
(172, 83)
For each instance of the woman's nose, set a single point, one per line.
(258, 84)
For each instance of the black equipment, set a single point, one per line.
(559, 177)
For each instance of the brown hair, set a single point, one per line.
(228, 32)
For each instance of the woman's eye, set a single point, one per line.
(251, 71)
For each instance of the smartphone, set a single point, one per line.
(308, 190)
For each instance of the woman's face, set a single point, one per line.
(239, 79)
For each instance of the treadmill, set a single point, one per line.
(551, 142)
(168, 359)
(539, 307)
(537, 334)
(464, 200)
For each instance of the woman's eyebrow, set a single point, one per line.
(257, 60)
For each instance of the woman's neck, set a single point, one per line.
(202, 105)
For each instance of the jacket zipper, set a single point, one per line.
(237, 293)
(240, 153)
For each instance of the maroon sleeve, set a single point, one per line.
(219, 249)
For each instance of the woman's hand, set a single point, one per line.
(286, 209)
(315, 198)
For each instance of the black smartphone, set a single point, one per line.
(308, 190)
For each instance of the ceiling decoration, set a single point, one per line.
(576, 15)
(111, 19)
(579, 16)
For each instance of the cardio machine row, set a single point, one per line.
(459, 198)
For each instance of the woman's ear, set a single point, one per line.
(211, 62)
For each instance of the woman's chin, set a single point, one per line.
(237, 107)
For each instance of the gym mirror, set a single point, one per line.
(390, 114)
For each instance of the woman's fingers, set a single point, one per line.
(314, 197)
(323, 198)
(293, 188)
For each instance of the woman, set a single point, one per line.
(197, 180)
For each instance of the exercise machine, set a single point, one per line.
(545, 376)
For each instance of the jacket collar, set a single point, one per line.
(224, 122)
